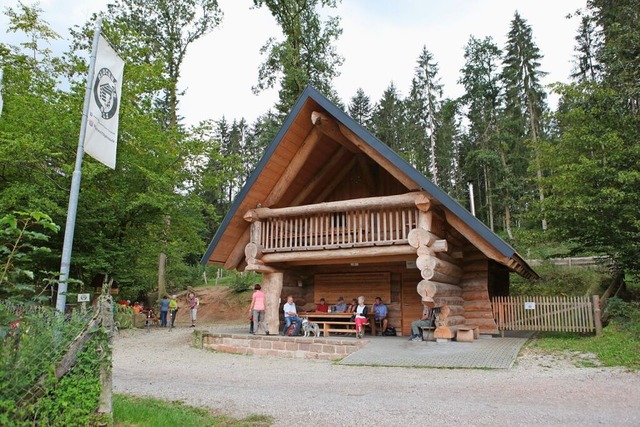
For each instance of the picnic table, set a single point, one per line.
(337, 322)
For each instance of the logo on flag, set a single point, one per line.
(101, 132)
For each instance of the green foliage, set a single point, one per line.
(124, 317)
(617, 346)
(32, 344)
(145, 412)
(561, 280)
(241, 281)
(74, 399)
(21, 234)
(305, 56)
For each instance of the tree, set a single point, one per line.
(163, 30)
(305, 56)
(423, 105)
(586, 65)
(360, 108)
(524, 107)
(619, 52)
(387, 121)
(482, 99)
(593, 181)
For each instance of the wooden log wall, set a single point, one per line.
(441, 272)
(475, 292)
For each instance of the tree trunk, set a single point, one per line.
(162, 283)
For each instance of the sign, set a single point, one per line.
(84, 297)
(101, 132)
(411, 265)
(529, 305)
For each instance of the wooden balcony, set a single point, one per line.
(349, 228)
(333, 230)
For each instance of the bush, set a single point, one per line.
(559, 280)
(244, 281)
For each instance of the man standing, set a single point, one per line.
(380, 312)
(291, 315)
(193, 302)
(425, 320)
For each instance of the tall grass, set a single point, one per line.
(146, 412)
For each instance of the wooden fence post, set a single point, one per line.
(105, 305)
(597, 314)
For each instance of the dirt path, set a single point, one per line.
(539, 390)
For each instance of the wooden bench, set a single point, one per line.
(329, 326)
(467, 333)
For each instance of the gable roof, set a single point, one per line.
(233, 233)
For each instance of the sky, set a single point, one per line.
(380, 43)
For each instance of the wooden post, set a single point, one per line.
(105, 305)
(272, 288)
(597, 314)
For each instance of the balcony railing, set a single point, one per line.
(331, 230)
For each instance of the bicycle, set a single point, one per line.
(172, 315)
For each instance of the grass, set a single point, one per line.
(616, 346)
(129, 411)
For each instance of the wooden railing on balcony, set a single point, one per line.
(330, 230)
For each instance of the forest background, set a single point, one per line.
(551, 182)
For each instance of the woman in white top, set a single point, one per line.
(360, 315)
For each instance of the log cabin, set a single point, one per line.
(331, 211)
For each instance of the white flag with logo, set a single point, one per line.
(101, 130)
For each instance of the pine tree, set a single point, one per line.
(423, 105)
(524, 107)
(482, 99)
(360, 108)
(387, 121)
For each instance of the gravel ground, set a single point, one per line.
(538, 390)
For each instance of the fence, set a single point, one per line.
(38, 349)
(540, 313)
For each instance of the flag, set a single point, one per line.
(101, 130)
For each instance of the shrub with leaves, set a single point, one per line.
(21, 238)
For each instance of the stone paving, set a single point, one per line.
(485, 352)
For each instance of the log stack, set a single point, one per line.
(440, 274)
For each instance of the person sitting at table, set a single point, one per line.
(291, 315)
(352, 306)
(323, 307)
(380, 314)
(137, 308)
(424, 321)
(340, 307)
(360, 317)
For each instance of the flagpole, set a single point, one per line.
(75, 181)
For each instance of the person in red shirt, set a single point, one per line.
(322, 307)
(257, 310)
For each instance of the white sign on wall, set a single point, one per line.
(84, 297)
(529, 305)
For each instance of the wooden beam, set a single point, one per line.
(293, 168)
(480, 243)
(237, 253)
(329, 127)
(381, 160)
(399, 200)
(338, 254)
(328, 168)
